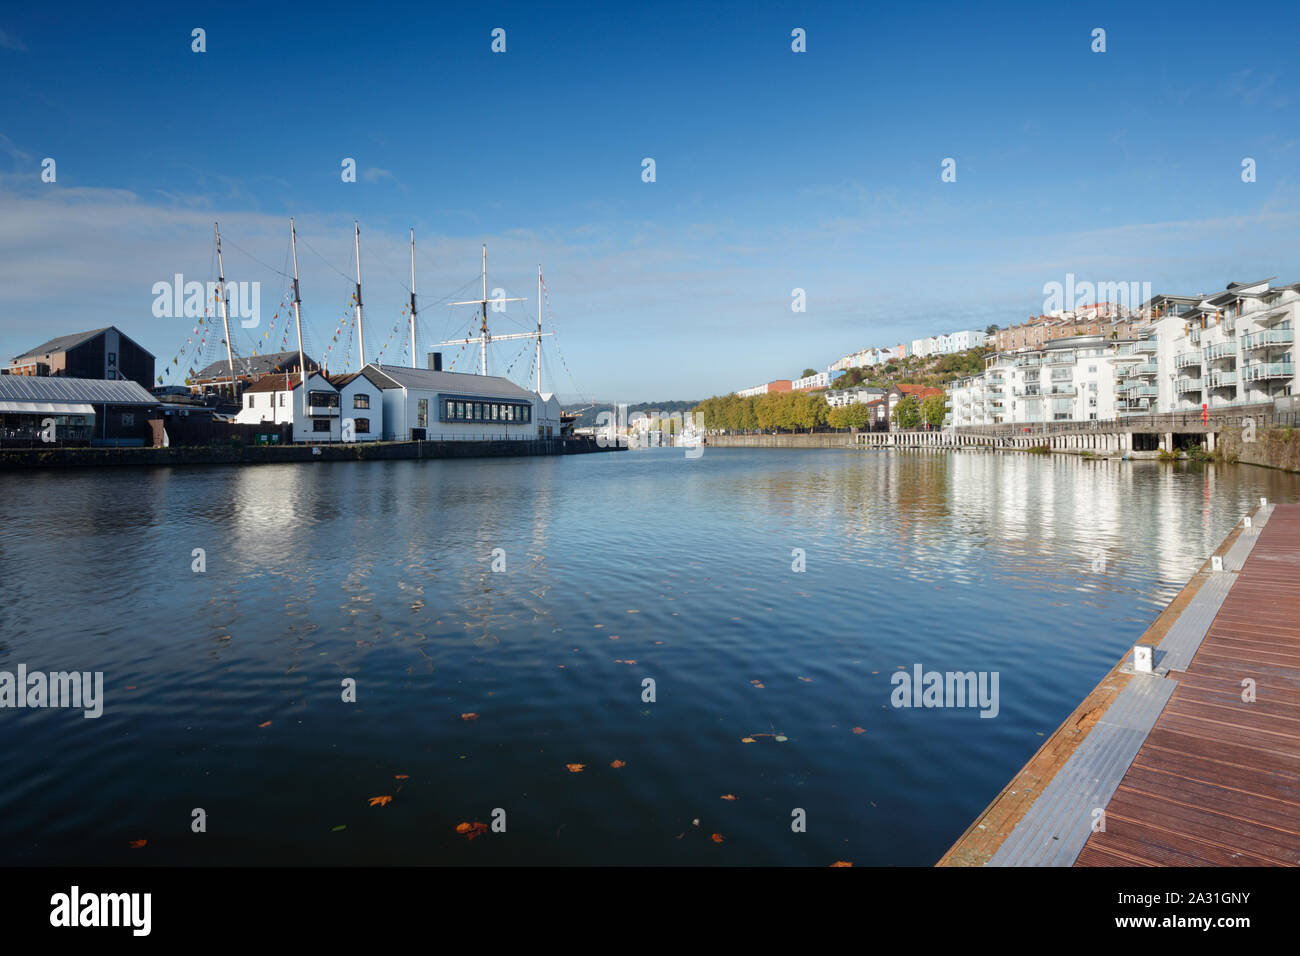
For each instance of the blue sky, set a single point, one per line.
(775, 170)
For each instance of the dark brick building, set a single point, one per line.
(105, 354)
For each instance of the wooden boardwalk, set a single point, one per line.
(1215, 780)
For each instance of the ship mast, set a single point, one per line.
(361, 332)
(297, 315)
(414, 361)
(539, 328)
(225, 318)
(484, 336)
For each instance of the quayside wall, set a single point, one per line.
(28, 458)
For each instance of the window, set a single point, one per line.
(360, 400)
(128, 419)
(250, 400)
(112, 360)
(422, 413)
(362, 426)
(324, 399)
(282, 395)
(320, 425)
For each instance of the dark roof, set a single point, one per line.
(275, 382)
(253, 364)
(87, 391)
(393, 376)
(65, 342)
(369, 373)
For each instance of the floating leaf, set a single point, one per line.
(859, 730)
(472, 830)
(806, 680)
(781, 738)
(618, 763)
(576, 767)
(469, 716)
(717, 838)
(267, 724)
(841, 863)
(341, 826)
(137, 844)
(401, 776)
(728, 796)
(748, 740)
(381, 801)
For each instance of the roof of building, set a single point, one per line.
(65, 342)
(920, 391)
(73, 391)
(458, 382)
(369, 373)
(253, 364)
(280, 382)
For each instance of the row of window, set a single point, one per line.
(502, 413)
(317, 399)
(360, 425)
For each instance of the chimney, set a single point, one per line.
(435, 361)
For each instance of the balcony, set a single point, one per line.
(1187, 359)
(327, 411)
(1063, 390)
(1220, 351)
(1147, 345)
(1150, 368)
(1221, 379)
(1269, 338)
(1187, 385)
(1142, 391)
(1265, 370)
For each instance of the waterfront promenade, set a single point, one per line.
(1196, 764)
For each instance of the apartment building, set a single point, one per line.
(817, 380)
(862, 395)
(780, 385)
(1183, 354)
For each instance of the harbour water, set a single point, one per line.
(476, 689)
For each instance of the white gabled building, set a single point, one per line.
(278, 398)
(423, 404)
(361, 401)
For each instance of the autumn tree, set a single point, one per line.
(934, 409)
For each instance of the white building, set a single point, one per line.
(837, 397)
(1236, 347)
(947, 344)
(361, 402)
(279, 399)
(818, 380)
(422, 404)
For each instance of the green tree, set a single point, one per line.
(907, 413)
(807, 372)
(934, 409)
(991, 329)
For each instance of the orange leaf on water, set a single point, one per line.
(859, 730)
(267, 724)
(748, 740)
(381, 801)
(618, 763)
(717, 838)
(472, 830)
(469, 716)
(728, 796)
(575, 767)
(841, 863)
(137, 844)
(401, 776)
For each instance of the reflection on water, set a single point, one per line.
(223, 689)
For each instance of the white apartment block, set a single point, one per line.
(1064, 380)
(837, 397)
(1236, 347)
(817, 380)
(751, 392)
